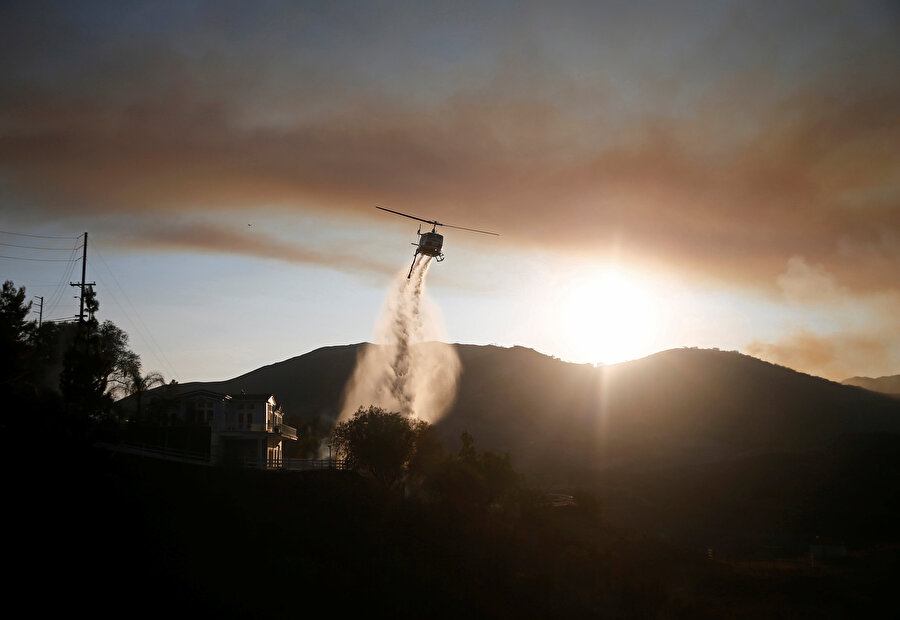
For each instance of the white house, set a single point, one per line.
(244, 428)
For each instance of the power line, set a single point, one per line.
(35, 247)
(56, 297)
(53, 298)
(65, 319)
(146, 334)
(41, 260)
(6, 232)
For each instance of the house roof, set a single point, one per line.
(257, 397)
(202, 392)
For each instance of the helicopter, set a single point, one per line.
(430, 243)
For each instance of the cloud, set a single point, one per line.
(205, 237)
(717, 166)
(833, 356)
(803, 283)
(844, 333)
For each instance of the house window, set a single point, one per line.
(249, 419)
(240, 420)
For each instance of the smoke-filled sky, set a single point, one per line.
(715, 174)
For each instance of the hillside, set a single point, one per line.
(681, 405)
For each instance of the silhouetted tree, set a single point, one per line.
(139, 384)
(500, 478)
(378, 442)
(128, 379)
(428, 456)
(458, 485)
(97, 354)
(49, 344)
(467, 451)
(14, 332)
(474, 480)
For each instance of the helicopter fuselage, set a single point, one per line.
(430, 244)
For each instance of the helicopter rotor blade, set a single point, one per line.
(412, 217)
(435, 223)
(484, 232)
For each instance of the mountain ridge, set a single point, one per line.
(888, 384)
(679, 405)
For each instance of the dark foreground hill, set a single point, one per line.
(117, 536)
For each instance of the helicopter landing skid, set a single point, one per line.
(437, 258)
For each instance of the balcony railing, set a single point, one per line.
(308, 464)
(282, 429)
(286, 431)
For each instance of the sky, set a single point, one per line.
(704, 174)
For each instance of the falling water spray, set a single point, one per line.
(410, 368)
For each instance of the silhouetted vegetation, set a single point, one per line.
(405, 453)
(64, 376)
(475, 480)
(159, 537)
(380, 443)
(15, 332)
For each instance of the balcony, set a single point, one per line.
(288, 432)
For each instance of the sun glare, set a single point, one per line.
(609, 316)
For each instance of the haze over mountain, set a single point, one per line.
(885, 385)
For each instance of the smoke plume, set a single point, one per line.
(409, 368)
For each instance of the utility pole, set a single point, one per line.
(40, 310)
(83, 283)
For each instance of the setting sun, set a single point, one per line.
(609, 316)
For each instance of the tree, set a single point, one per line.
(137, 384)
(14, 332)
(378, 442)
(428, 457)
(97, 354)
(14, 310)
(475, 480)
(127, 379)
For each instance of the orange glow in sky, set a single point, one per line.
(739, 160)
